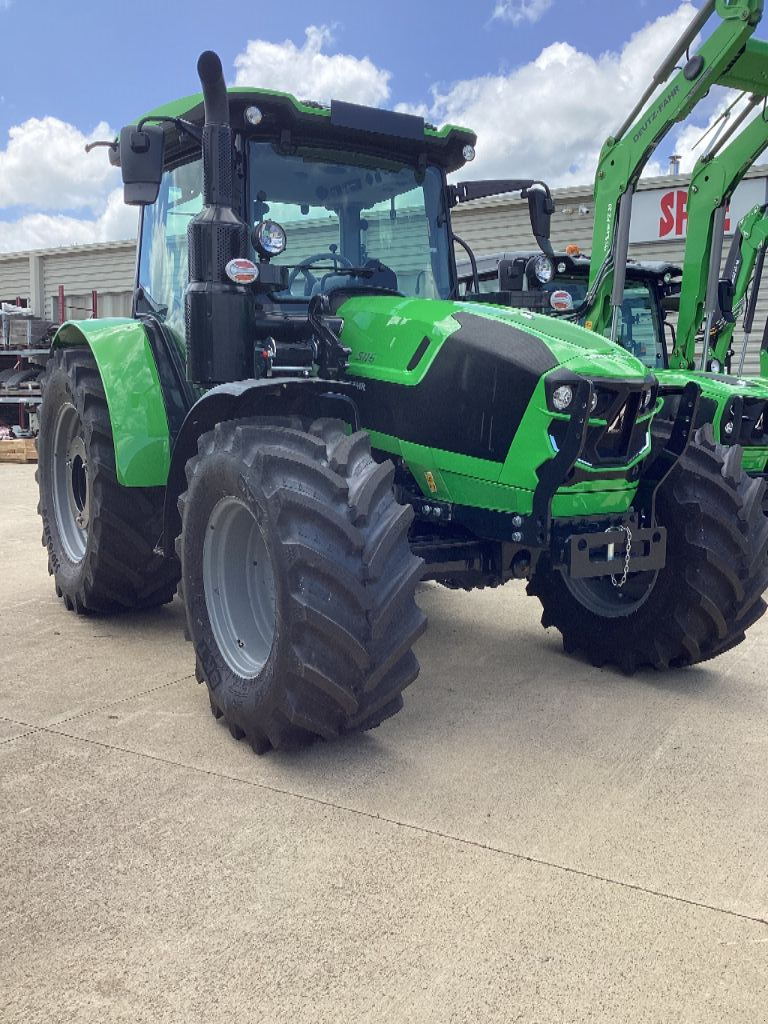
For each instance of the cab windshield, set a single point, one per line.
(640, 328)
(352, 222)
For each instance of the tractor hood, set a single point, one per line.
(398, 338)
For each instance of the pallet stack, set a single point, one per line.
(18, 450)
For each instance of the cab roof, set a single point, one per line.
(340, 125)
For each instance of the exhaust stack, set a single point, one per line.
(218, 312)
(217, 135)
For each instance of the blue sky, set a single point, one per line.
(541, 81)
(97, 61)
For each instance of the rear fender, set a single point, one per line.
(134, 394)
(288, 396)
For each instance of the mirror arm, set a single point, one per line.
(465, 191)
(92, 145)
(183, 126)
(113, 147)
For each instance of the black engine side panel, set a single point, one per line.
(474, 396)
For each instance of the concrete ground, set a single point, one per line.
(529, 840)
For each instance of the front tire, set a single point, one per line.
(707, 595)
(298, 581)
(100, 536)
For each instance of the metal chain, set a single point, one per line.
(620, 583)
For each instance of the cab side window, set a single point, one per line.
(164, 261)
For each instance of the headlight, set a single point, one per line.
(562, 397)
(269, 238)
(543, 269)
(562, 389)
(715, 366)
(468, 153)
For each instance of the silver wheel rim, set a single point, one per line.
(239, 586)
(71, 491)
(598, 594)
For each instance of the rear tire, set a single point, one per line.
(100, 536)
(298, 581)
(708, 594)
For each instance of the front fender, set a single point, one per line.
(131, 382)
(309, 397)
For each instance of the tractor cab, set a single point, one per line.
(320, 204)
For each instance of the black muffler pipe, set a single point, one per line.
(218, 311)
(217, 134)
(214, 89)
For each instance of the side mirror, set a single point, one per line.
(141, 162)
(541, 206)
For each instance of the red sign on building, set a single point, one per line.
(660, 214)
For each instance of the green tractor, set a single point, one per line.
(301, 421)
(731, 58)
(740, 287)
(743, 275)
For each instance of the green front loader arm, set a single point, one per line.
(713, 183)
(751, 240)
(624, 154)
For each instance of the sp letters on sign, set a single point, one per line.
(673, 216)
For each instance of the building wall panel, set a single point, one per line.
(14, 279)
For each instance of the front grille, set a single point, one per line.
(621, 438)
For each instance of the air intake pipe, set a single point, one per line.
(218, 313)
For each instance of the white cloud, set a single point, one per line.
(519, 11)
(45, 166)
(47, 231)
(310, 73)
(44, 170)
(549, 118)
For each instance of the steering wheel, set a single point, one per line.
(303, 268)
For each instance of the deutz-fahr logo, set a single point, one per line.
(663, 102)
